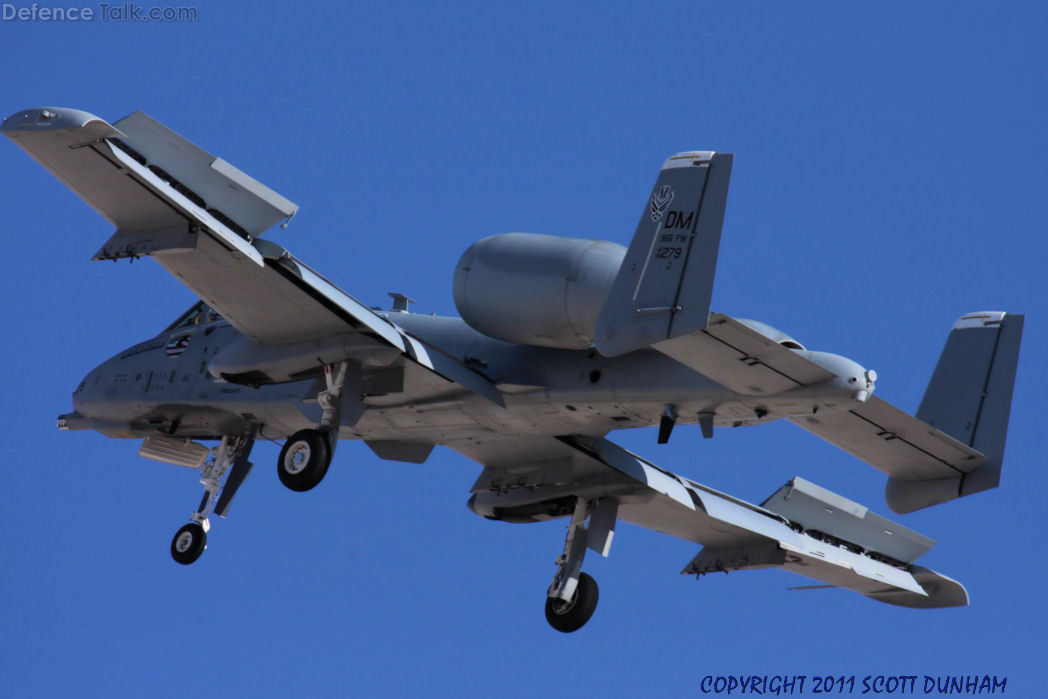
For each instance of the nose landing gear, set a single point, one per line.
(220, 485)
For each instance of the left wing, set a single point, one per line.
(801, 528)
(198, 217)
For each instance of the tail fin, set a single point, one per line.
(664, 284)
(969, 398)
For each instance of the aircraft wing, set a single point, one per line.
(801, 528)
(198, 217)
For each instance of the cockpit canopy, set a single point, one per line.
(198, 314)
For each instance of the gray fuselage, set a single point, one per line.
(164, 385)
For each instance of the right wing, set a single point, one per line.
(801, 528)
(198, 216)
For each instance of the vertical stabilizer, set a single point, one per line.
(969, 398)
(664, 285)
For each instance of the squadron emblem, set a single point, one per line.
(659, 201)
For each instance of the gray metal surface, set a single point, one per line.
(225, 188)
(169, 450)
(522, 392)
(664, 286)
(969, 397)
(816, 508)
(742, 359)
(893, 441)
(536, 289)
(739, 535)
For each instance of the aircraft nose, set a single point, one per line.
(78, 420)
(86, 392)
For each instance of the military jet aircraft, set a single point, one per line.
(561, 341)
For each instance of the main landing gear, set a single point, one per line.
(307, 454)
(221, 475)
(304, 459)
(572, 597)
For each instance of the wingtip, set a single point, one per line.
(47, 118)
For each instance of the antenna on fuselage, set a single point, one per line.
(400, 302)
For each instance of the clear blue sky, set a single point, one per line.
(890, 166)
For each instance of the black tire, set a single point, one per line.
(304, 460)
(572, 616)
(189, 542)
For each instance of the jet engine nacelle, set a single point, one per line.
(536, 289)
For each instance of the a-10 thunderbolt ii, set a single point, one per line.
(561, 341)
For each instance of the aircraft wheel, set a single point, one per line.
(304, 460)
(189, 542)
(571, 616)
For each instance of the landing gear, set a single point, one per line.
(221, 475)
(572, 615)
(189, 543)
(304, 460)
(572, 596)
(307, 454)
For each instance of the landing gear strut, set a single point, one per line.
(220, 485)
(307, 454)
(572, 596)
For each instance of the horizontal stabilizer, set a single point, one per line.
(742, 359)
(893, 441)
(954, 446)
